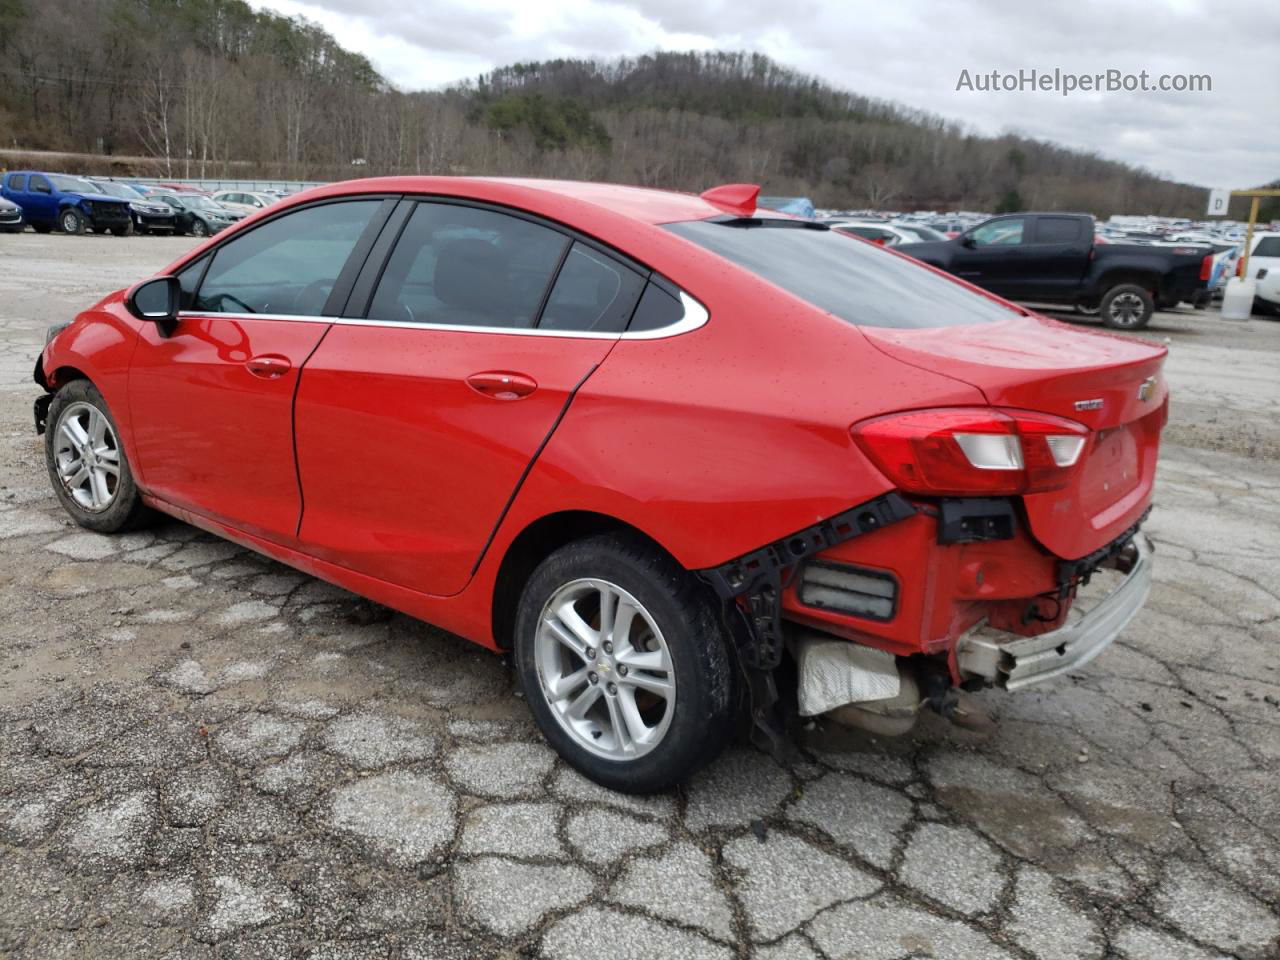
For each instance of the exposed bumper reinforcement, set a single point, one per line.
(1022, 661)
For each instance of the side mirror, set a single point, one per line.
(157, 300)
(966, 240)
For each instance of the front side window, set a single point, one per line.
(593, 292)
(466, 266)
(856, 282)
(999, 233)
(40, 185)
(286, 266)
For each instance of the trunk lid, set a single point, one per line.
(1109, 383)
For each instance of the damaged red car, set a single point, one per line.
(688, 460)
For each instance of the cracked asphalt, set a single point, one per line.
(204, 754)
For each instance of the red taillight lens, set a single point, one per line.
(1206, 267)
(974, 451)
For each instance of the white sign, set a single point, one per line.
(1219, 198)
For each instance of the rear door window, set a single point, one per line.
(18, 181)
(1059, 229)
(287, 266)
(467, 266)
(857, 282)
(593, 293)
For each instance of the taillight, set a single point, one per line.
(962, 451)
(1206, 267)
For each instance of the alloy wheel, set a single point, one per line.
(87, 457)
(1126, 309)
(605, 670)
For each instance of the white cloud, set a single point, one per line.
(908, 53)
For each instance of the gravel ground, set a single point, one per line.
(204, 754)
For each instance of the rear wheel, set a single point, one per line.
(123, 231)
(1127, 307)
(71, 221)
(87, 464)
(41, 227)
(625, 663)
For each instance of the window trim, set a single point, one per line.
(391, 219)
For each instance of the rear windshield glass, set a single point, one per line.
(854, 280)
(1267, 247)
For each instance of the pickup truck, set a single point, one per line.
(71, 204)
(1052, 258)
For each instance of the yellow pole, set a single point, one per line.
(1248, 236)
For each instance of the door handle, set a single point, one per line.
(268, 366)
(502, 385)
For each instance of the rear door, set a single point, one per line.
(212, 398)
(40, 202)
(1055, 259)
(421, 411)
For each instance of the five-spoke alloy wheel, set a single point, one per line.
(624, 661)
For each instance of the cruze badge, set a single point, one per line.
(1095, 404)
(1148, 389)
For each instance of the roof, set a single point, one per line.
(643, 204)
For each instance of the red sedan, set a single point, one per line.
(682, 456)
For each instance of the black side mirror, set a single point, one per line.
(966, 240)
(158, 300)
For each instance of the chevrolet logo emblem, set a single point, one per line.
(1148, 389)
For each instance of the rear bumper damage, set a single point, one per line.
(1013, 662)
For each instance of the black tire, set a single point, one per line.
(71, 221)
(125, 510)
(687, 616)
(42, 227)
(100, 230)
(1126, 307)
(1265, 308)
(199, 228)
(122, 231)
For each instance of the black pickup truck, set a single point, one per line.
(1053, 258)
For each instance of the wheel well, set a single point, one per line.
(534, 544)
(63, 376)
(1148, 281)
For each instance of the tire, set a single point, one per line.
(100, 230)
(42, 227)
(71, 221)
(122, 508)
(682, 732)
(199, 228)
(1086, 311)
(122, 231)
(1126, 307)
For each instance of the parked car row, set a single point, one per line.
(73, 204)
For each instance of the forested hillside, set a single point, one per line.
(213, 88)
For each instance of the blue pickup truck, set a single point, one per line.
(59, 201)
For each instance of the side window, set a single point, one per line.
(467, 266)
(657, 309)
(1058, 230)
(18, 181)
(40, 185)
(593, 292)
(999, 233)
(287, 266)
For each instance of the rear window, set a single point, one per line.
(1058, 230)
(854, 280)
(1267, 247)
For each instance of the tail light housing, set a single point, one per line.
(982, 451)
(1206, 267)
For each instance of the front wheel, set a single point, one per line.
(1127, 307)
(87, 464)
(625, 663)
(199, 228)
(71, 221)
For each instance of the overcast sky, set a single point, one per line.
(911, 53)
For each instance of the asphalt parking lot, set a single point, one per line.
(205, 754)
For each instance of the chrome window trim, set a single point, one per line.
(695, 316)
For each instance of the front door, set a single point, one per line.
(212, 399)
(990, 255)
(416, 423)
